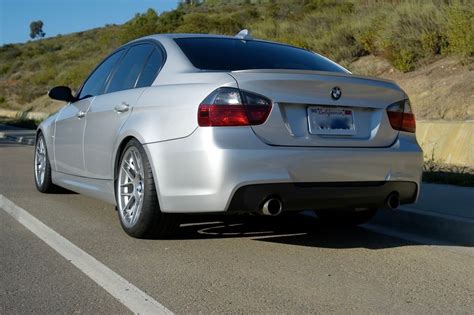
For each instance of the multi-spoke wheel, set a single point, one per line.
(42, 168)
(137, 201)
(130, 186)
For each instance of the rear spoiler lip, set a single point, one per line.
(322, 73)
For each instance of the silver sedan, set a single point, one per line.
(173, 124)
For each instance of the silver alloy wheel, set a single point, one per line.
(130, 187)
(40, 161)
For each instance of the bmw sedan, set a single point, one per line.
(174, 124)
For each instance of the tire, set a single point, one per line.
(42, 167)
(346, 217)
(137, 201)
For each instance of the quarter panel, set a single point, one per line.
(169, 111)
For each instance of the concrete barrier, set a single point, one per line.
(450, 142)
(28, 115)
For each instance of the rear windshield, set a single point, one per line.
(230, 54)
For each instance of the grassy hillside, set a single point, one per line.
(407, 34)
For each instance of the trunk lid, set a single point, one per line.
(297, 94)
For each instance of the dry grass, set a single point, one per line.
(408, 34)
(439, 173)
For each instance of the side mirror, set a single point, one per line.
(61, 93)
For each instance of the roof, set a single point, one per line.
(174, 36)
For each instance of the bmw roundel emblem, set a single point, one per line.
(336, 93)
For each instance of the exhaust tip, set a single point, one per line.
(393, 201)
(272, 207)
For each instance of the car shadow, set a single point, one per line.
(63, 191)
(294, 229)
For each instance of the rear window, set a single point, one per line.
(230, 54)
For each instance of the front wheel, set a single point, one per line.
(346, 217)
(42, 167)
(137, 200)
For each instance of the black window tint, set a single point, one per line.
(235, 54)
(129, 68)
(151, 68)
(95, 84)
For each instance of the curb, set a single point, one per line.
(458, 230)
(27, 139)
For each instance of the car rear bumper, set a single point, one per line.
(298, 196)
(206, 171)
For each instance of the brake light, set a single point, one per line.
(232, 107)
(401, 116)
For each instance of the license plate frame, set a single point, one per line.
(324, 120)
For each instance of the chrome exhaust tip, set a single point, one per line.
(393, 201)
(272, 207)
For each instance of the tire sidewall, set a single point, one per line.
(47, 182)
(150, 208)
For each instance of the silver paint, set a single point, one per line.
(197, 169)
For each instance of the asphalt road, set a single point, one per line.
(218, 264)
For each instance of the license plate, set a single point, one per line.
(324, 120)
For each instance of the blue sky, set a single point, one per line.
(66, 16)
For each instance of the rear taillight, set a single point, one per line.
(233, 107)
(401, 117)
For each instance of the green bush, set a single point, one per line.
(44, 76)
(413, 32)
(460, 30)
(170, 21)
(141, 25)
(4, 68)
(406, 32)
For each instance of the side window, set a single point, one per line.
(95, 84)
(129, 69)
(151, 69)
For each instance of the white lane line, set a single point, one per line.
(435, 243)
(125, 292)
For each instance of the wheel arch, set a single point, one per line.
(48, 142)
(119, 151)
(118, 154)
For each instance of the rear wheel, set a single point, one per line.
(137, 200)
(346, 217)
(42, 167)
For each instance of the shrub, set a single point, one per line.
(75, 75)
(4, 69)
(412, 33)
(141, 25)
(43, 76)
(460, 30)
(170, 21)
(404, 31)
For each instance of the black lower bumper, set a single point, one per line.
(302, 196)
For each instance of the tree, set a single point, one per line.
(36, 29)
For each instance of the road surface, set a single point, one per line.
(214, 265)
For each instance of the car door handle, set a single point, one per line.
(81, 114)
(123, 107)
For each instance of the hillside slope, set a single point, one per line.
(443, 89)
(427, 46)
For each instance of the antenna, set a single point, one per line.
(244, 34)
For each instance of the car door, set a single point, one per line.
(70, 124)
(109, 111)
